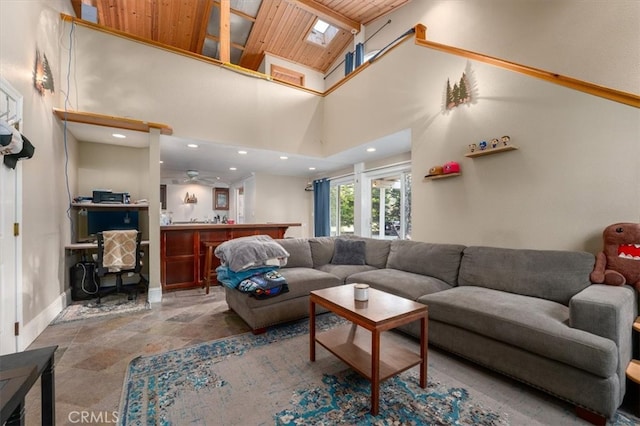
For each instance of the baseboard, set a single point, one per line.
(154, 295)
(31, 330)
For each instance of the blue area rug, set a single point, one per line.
(268, 379)
(344, 399)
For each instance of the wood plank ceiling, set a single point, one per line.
(279, 27)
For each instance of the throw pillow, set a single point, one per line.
(349, 252)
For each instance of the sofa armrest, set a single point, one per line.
(606, 311)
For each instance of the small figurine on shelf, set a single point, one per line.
(494, 143)
(505, 140)
(483, 145)
(435, 171)
(451, 167)
(473, 147)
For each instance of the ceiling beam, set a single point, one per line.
(329, 15)
(237, 12)
(202, 34)
(225, 31)
(217, 39)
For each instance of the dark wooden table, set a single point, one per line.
(363, 350)
(18, 373)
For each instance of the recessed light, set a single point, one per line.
(312, 168)
(242, 152)
(284, 157)
(371, 149)
(161, 162)
(118, 135)
(232, 168)
(192, 145)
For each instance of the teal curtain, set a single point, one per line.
(321, 202)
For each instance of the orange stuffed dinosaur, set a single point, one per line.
(619, 262)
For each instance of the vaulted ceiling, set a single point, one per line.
(255, 27)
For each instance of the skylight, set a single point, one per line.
(322, 33)
(321, 26)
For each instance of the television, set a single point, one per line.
(106, 220)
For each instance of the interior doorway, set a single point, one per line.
(10, 214)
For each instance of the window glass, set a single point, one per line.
(391, 206)
(341, 209)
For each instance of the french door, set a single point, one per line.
(390, 204)
(341, 207)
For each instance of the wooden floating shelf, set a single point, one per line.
(490, 151)
(442, 176)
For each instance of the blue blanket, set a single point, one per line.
(233, 279)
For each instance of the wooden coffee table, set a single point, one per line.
(364, 350)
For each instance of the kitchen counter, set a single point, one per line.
(182, 248)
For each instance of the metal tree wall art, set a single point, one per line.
(42, 76)
(464, 91)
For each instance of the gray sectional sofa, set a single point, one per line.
(530, 314)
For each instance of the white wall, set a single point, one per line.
(313, 79)
(282, 199)
(200, 211)
(580, 39)
(197, 99)
(577, 170)
(250, 206)
(24, 27)
(119, 168)
(595, 41)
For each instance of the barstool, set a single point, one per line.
(208, 271)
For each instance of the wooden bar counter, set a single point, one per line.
(182, 249)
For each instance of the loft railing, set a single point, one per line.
(573, 83)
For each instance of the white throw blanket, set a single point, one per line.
(249, 252)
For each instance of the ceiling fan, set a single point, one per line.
(193, 176)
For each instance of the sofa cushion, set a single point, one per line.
(343, 271)
(537, 325)
(348, 252)
(321, 250)
(300, 281)
(299, 252)
(376, 251)
(547, 274)
(400, 283)
(441, 261)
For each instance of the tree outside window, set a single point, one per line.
(341, 209)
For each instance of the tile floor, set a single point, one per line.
(93, 355)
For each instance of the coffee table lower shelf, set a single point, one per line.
(352, 344)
